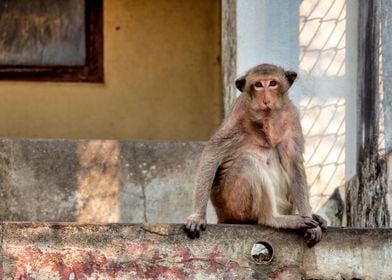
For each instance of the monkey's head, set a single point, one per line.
(267, 86)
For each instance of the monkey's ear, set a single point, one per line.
(291, 76)
(240, 83)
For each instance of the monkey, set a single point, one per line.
(252, 167)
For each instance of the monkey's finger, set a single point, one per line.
(311, 243)
(192, 234)
(310, 220)
(311, 223)
(312, 235)
(186, 229)
(203, 226)
(188, 225)
(198, 226)
(310, 238)
(322, 222)
(192, 227)
(319, 233)
(189, 234)
(317, 236)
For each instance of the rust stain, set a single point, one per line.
(144, 259)
(285, 273)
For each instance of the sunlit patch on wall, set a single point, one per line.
(98, 181)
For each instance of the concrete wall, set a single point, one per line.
(162, 80)
(319, 40)
(104, 181)
(98, 181)
(162, 251)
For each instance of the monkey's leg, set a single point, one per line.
(233, 201)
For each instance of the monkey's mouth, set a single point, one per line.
(267, 109)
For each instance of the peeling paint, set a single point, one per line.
(146, 260)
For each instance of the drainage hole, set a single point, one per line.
(262, 252)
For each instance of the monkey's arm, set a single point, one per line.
(300, 193)
(290, 151)
(219, 146)
(208, 165)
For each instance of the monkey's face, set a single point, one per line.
(267, 86)
(267, 93)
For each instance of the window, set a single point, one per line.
(51, 40)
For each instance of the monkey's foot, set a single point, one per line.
(304, 222)
(322, 222)
(293, 222)
(194, 224)
(313, 236)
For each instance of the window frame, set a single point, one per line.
(91, 71)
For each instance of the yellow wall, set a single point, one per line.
(162, 80)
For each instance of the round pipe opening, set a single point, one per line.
(262, 252)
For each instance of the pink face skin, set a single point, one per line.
(267, 92)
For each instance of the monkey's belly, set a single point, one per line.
(279, 180)
(248, 182)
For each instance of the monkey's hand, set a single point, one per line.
(193, 224)
(313, 236)
(322, 222)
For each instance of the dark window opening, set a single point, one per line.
(51, 40)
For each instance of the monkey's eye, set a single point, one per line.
(258, 85)
(273, 83)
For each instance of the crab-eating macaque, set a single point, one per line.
(252, 167)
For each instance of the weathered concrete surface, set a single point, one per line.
(162, 251)
(97, 181)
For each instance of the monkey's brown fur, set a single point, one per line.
(252, 167)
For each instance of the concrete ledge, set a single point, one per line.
(162, 251)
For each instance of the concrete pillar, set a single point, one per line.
(386, 39)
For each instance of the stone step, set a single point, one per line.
(97, 181)
(162, 251)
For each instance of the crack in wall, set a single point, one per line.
(144, 204)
